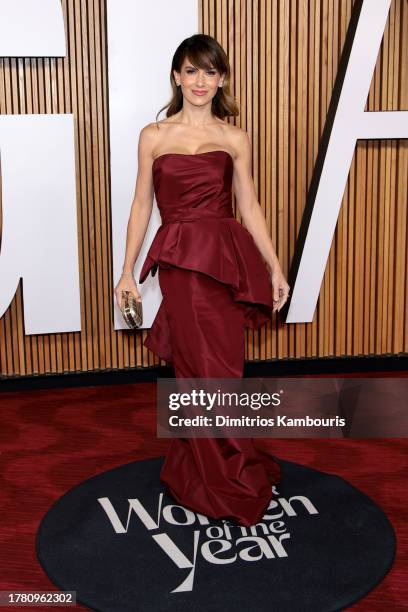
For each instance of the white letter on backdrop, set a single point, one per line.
(350, 124)
(37, 157)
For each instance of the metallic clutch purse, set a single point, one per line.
(131, 309)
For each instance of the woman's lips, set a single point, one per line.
(199, 93)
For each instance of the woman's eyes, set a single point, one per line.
(190, 71)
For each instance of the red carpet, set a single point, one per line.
(52, 439)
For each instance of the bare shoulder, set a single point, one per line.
(238, 140)
(148, 139)
(148, 133)
(152, 133)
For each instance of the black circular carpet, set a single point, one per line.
(122, 543)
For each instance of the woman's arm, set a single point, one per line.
(253, 217)
(140, 212)
(142, 204)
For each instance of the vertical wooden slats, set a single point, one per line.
(284, 60)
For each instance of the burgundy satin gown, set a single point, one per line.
(214, 283)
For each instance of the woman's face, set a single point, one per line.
(198, 85)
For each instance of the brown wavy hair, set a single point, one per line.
(204, 52)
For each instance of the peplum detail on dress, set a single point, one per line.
(208, 239)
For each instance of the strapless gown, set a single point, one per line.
(214, 283)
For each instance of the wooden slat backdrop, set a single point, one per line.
(284, 57)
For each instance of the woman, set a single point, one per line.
(216, 276)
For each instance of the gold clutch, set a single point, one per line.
(131, 309)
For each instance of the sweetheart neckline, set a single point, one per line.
(193, 154)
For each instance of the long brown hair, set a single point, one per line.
(204, 52)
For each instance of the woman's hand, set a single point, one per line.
(280, 289)
(126, 283)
